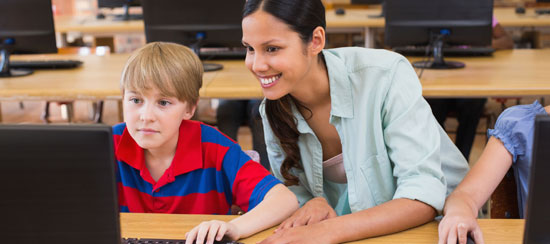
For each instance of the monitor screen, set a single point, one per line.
(26, 27)
(435, 22)
(60, 180)
(538, 214)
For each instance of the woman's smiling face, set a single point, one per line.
(276, 54)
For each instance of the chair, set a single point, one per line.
(504, 201)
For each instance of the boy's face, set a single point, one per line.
(153, 120)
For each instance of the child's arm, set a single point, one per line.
(462, 206)
(277, 205)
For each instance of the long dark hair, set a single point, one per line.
(302, 16)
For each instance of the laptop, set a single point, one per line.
(59, 186)
(537, 218)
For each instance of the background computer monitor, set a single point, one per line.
(204, 23)
(26, 27)
(125, 4)
(435, 23)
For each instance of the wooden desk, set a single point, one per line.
(508, 73)
(354, 20)
(497, 231)
(98, 79)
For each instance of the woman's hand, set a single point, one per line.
(313, 233)
(314, 211)
(212, 230)
(456, 225)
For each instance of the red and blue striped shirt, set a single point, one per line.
(208, 174)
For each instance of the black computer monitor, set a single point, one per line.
(26, 27)
(59, 182)
(537, 217)
(435, 23)
(125, 4)
(204, 23)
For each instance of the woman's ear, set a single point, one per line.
(317, 40)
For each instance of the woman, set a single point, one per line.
(346, 129)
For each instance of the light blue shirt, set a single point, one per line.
(391, 144)
(515, 129)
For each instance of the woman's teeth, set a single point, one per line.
(270, 80)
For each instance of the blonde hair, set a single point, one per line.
(172, 68)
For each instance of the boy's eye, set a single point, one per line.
(134, 100)
(249, 49)
(164, 103)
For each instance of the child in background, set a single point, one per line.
(169, 164)
(510, 145)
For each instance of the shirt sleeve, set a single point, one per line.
(412, 139)
(513, 127)
(249, 181)
(276, 157)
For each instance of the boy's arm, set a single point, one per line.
(462, 205)
(278, 204)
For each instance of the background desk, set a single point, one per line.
(354, 20)
(497, 231)
(99, 76)
(509, 73)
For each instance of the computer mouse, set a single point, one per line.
(100, 16)
(340, 11)
(520, 10)
(470, 240)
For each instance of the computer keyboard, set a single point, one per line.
(447, 51)
(542, 11)
(222, 53)
(165, 241)
(45, 64)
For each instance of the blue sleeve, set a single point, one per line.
(514, 128)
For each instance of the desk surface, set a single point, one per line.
(353, 18)
(501, 231)
(507, 73)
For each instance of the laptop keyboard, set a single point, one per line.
(165, 241)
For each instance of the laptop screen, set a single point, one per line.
(58, 184)
(538, 211)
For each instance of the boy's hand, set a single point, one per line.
(314, 211)
(210, 231)
(455, 226)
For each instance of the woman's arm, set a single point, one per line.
(277, 205)
(462, 206)
(393, 216)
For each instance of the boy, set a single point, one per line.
(169, 164)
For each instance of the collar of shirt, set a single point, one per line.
(188, 155)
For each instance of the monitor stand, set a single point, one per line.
(438, 61)
(5, 70)
(196, 47)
